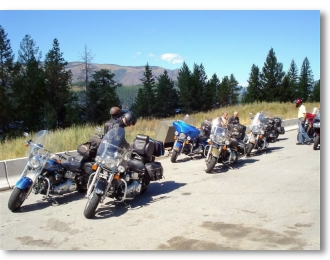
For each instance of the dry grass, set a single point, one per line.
(70, 138)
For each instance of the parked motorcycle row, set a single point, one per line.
(224, 145)
(104, 169)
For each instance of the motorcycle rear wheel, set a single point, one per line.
(16, 199)
(316, 142)
(91, 205)
(174, 156)
(210, 163)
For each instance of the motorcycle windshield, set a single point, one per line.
(42, 142)
(218, 134)
(257, 122)
(318, 116)
(111, 152)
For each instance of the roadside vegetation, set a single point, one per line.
(68, 139)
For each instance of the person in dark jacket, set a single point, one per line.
(234, 119)
(115, 113)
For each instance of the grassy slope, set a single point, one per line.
(70, 138)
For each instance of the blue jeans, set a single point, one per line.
(301, 132)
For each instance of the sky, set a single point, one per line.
(225, 42)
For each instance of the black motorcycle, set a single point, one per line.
(317, 130)
(122, 174)
(273, 128)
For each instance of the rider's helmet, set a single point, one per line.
(115, 112)
(298, 102)
(130, 118)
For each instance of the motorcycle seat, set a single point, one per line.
(73, 164)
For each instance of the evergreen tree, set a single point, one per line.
(254, 89)
(6, 79)
(57, 81)
(306, 80)
(224, 92)
(198, 83)
(144, 102)
(185, 88)
(29, 86)
(316, 95)
(234, 90)
(271, 77)
(210, 93)
(290, 89)
(102, 95)
(166, 99)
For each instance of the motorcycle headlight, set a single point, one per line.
(188, 138)
(219, 138)
(121, 168)
(227, 142)
(176, 133)
(34, 162)
(317, 125)
(262, 132)
(182, 135)
(98, 159)
(109, 163)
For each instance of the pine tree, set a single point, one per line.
(144, 102)
(185, 88)
(6, 79)
(224, 92)
(254, 89)
(29, 87)
(198, 83)
(290, 90)
(234, 90)
(210, 93)
(58, 84)
(271, 77)
(306, 80)
(102, 95)
(316, 94)
(166, 99)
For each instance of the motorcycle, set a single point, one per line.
(273, 128)
(317, 130)
(45, 174)
(122, 174)
(188, 139)
(256, 139)
(224, 148)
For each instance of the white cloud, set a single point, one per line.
(172, 58)
(151, 55)
(138, 53)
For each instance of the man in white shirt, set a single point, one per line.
(301, 122)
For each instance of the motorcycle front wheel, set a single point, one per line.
(91, 205)
(210, 163)
(249, 149)
(174, 156)
(16, 199)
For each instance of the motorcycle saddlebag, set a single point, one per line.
(143, 146)
(159, 149)
(281, 130)
(155, 170)
(136, 166)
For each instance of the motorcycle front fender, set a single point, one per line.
(101, 186)
(215, 152)
(178, 146)
(23, 183)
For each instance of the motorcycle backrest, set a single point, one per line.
(142, 146)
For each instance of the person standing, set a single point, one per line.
(223, 120)
(234, 119)
(301, 122)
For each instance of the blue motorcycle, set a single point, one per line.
(189, 140)
(47, 175)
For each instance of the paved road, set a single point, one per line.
(266, 202)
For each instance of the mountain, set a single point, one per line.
(126, 75)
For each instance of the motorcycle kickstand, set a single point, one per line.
(52, 200)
